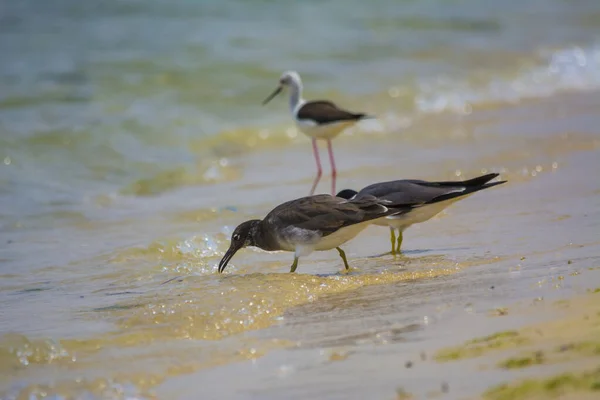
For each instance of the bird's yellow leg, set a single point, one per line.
(343, 255)
(400, 237)
(294, 265)
(393, 240)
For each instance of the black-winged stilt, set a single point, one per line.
(320, 119)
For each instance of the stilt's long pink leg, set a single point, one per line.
(333, 170)
(319, 169)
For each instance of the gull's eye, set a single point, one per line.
(236, 237)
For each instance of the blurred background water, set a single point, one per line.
(132, 141)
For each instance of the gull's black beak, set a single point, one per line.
(227, 257)
(275, 93)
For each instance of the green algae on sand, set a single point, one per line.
(581, 329)
(553, 387)
(575, 336)
(479, 346)
(535, 358)
(564, 352)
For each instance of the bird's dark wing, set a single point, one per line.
(412, 192)
(404, 192)
(326, 213)
(325, 112)
(475, 182)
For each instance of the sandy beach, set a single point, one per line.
(127, 163)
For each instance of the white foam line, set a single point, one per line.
(571, 69)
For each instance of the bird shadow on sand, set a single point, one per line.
(416, 252)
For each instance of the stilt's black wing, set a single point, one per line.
(325, 112)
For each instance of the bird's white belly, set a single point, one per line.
(340, 237)
(327, 131)
(303, 242)
(417, 215)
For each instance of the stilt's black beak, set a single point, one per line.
(275, 93)
(226, 258)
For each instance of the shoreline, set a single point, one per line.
(503, 250)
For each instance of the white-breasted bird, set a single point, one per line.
(319, 119)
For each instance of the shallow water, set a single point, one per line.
(133, 142)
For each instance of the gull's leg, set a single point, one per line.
(400, 234)
(343, 255)
(294, 265)
(319, 169)
(393, 239)
(333, 170)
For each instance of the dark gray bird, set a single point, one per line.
(425, 199)
(307, 224)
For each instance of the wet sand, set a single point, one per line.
(556, 358)
(155, 321)
(509, 255)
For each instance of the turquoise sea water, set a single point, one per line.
(97, 95)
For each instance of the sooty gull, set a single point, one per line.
(314, 223)
(426, 200)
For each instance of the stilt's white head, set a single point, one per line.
(289, 79)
